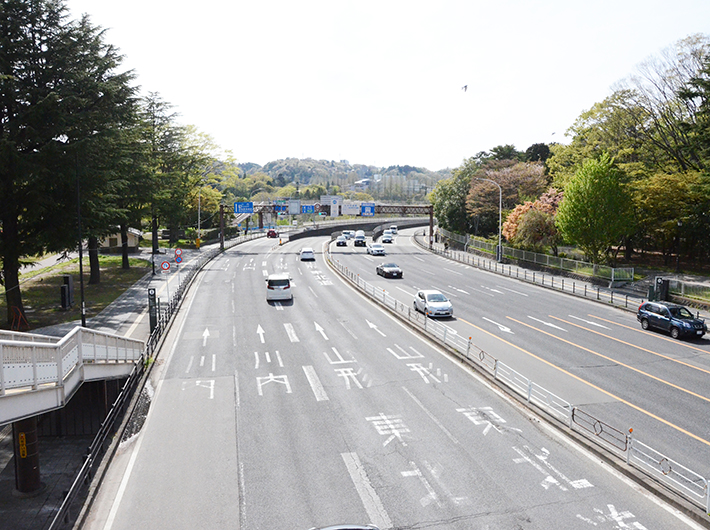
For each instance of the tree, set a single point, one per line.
(596, 211)
(531, 225)
(519, 181)
(60, 97)
(449, 199)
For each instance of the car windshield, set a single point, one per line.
(681, 312)
(436, 297)
(390, 265)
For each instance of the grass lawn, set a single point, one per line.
(41, 290)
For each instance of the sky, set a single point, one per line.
(381, 82)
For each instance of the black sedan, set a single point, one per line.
(389, 270)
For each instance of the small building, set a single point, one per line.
(112, 244)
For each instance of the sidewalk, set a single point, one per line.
(62, 457)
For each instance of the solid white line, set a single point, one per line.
(370, 500)
(315, 383)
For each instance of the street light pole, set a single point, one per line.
(499, 249)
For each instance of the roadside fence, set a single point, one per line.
(687, 483)
(583, 268)
(568, 285)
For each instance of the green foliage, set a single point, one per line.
(597, 210)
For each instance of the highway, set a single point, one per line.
(595, 356)
(327, 409)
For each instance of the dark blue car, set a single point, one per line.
(671, 318)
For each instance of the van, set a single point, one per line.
(360, 240)
(278, 287)
(393, 229)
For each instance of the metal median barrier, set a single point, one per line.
(685, 482)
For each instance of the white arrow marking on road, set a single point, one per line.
(506, 329)
(374, 327)
(589, 322)
(320, 330)
(547, 323)
(260, 332)
(204, 337)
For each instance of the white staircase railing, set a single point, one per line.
(40, 372)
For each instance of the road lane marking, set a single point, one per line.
(374, 326)
(610, 359)
(316, 385)
(514, 291)
(291, 333)
(370, 500)
(591, 385)
(500, 326)
(589, 322)
(639, 347)
(320, 330)
(550, 324)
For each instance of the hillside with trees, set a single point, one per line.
(634, 179)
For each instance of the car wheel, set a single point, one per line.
(644, 323)
(415, 306)
(675, 333)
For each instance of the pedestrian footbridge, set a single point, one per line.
(41, 373)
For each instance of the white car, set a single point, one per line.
(433, 304)
(307, 254)
(278, 287)
(376, 249)
(387, 236)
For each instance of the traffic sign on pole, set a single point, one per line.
(165, 266)
(178, 252)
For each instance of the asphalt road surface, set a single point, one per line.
(323, 410)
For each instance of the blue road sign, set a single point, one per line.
(243, 207)
(367, 209)
(307, 208)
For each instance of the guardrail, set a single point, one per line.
(690, 485)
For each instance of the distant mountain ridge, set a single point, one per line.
(309, 171)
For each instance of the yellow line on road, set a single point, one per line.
(614, 361)
(652, 334)
(632, 345)
(614, 396)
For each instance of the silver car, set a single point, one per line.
(433, 304)
(376, 249)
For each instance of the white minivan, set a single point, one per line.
(278, 287)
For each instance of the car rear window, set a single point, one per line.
(279, 283)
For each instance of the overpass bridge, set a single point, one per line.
(41, 373)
